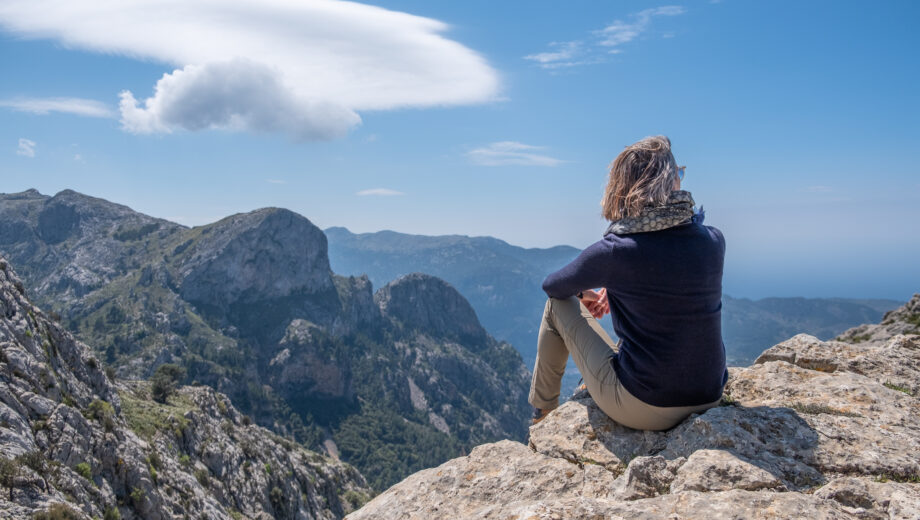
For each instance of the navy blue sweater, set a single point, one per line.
(665, 292)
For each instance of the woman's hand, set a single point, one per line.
(596, 302)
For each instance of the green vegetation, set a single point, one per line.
(386, 448)
(84, 470)
(130, 234)
(137, 497)
(276, 496)
(58, 511)
(859, 338)
(814, 409)
(728, 400)
(899, 388)
(103, 412)
(9, 470)
(112, 513)
(203, 477)
(165, 380)
(146, 417)
(33, 460)
(355, 499)
(909, 479)
(914, 319)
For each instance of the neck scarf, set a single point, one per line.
(676, 211)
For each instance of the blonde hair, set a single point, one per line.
(642, 175)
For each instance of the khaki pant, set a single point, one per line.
(569, 328)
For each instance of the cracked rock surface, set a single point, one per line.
(812, 429)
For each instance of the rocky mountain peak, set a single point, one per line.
(813, 429)
(265, 254)
(30, 193)
(430, 305)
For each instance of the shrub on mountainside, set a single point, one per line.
(58, 512)
(165, 381)
(9, 470)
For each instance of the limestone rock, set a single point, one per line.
(430, 305)
(812, 430)
(719, 470)
(903, 320)
(249, 257)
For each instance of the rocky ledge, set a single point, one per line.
(812, 429)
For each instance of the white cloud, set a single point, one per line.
(379, 192)
(67, 105)
(26, 147)
(504, 153)
(603, 41)
(78, 158)
(564, 53)
(302, 68)
(620, 32)
(275, 181)
(235, 95)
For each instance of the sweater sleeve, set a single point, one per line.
(591, 269)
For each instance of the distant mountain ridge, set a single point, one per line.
(249, 306)
(503, 281)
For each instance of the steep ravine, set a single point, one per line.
(813, 429)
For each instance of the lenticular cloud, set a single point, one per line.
(302, 67)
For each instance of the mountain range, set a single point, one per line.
(502, 282)
(251, 306)
(391, 381)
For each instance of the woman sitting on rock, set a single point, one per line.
(659, 270)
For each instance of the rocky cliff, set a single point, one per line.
(73, 440)
(812, 429)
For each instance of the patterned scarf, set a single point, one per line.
(676, 211)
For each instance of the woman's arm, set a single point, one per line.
(589, 270)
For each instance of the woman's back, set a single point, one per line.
(665, 291)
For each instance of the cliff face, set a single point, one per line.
(813, 429)
(71, 436)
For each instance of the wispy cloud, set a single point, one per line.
(66, 105)
(818, 189)
(305, 69)
(379, 192)
(26, 147)
(620, 32)
(603, 41)
(504, 153)
(275, 181)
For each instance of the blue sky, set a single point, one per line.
(797, 120)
